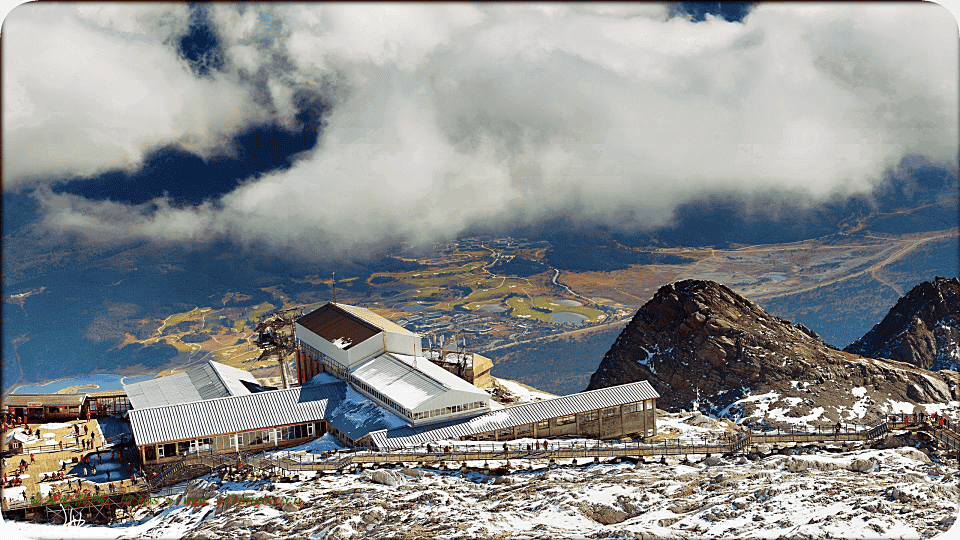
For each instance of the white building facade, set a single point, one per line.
(385, 362)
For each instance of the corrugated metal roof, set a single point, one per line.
(333, 323)
(394, 376)
(212, 417)
(518, 415)
(439, 374)
(380, 322)
(44, 400)
(208, 381)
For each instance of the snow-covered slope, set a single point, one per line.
(803, 493)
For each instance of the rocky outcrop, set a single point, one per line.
(703, 346)
(923, 328)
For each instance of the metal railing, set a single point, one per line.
(496, 451)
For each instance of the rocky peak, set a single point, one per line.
(923, 328)
(702, 345)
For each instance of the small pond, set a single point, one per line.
(568, 317)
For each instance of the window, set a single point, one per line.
(506, 432)
(610, 412)
(168, 450)
(588, 416)
(569, 419)
(543, 425)
(648, 404)
(150, 453)
(526, 428)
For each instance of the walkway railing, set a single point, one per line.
(945, 431)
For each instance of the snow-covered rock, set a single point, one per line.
(386, 477)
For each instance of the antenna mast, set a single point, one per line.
(334, 287)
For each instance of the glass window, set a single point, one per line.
(543, 425)
(563, 420)
(526, 428)
(611, 412)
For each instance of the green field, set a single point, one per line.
(178, 318)
(522, 307)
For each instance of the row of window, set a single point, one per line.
(336, 368)
(570, 419)
(636, 407)
(227, 442)
(383, 399)
(454, 409)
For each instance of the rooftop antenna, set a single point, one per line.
(334, 287)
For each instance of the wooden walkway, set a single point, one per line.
(944, 431)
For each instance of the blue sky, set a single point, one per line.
(173, 122)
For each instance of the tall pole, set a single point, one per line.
(334, 287)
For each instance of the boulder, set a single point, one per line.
(373, 516)
(862, 465)
(605, 514)
(386, 477)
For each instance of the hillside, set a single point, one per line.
(922, 329)
(703, 346)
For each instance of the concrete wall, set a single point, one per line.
(403, 344)
(369, 348)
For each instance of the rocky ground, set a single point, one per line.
(801, 492)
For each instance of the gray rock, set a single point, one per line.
(373, 516)
(416, 473)
(386, 477)
(862, 465)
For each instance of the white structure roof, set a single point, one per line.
(394, 376)
(208, 381)
(525, 413)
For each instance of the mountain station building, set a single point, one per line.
(367, 381)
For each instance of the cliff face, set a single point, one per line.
(703, 346)
(923, 328)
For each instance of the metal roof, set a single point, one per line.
(44, 400)
(518, 415)
(380, 322)
(394, 376)
(233, 414)
(356, 415)
(334, 323)
(208, 381)
(349, 411)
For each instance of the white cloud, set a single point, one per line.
(444, 115)
(86, 95)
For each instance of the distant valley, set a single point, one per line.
(145, 309)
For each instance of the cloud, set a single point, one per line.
(445, 116)
(89, 89)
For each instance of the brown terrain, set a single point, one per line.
(703, 346)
